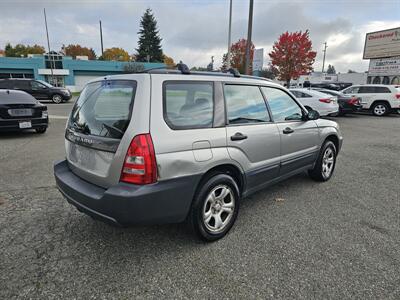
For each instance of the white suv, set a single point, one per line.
(380, 99)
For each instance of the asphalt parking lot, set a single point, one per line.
(339, 239)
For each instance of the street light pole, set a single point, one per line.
(323, 61)
(228, 56)
(48, 45)
(101, 39)
(249, 31)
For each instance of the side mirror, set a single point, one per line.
(312, 115)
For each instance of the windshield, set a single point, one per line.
(104, 108)
(45, 83)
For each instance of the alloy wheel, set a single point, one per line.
(328, 161)
(218, 208)
(380, 110)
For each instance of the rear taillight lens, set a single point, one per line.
(354, 101)
(397, 96)
(140, 162)
(325, 100)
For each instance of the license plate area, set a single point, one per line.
(20, 112)
(26, 124)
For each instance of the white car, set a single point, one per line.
(380, 99)
(323, 103)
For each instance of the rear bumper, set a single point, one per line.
(351, 108)
(13, 124)
(162, 202)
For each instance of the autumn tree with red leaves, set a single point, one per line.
(292, 55)
(238, 56)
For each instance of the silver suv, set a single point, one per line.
(169, 146)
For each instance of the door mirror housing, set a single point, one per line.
(312, 115)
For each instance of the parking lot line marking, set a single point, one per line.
(58, 117)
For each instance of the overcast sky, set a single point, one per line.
(193, 31)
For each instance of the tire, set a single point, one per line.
(41, 130)
(212, 215)
(57, 98)
(380, 109)
(323, 170)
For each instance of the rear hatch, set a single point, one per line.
(95, 133)
(19, 105)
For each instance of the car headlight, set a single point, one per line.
(45, 114)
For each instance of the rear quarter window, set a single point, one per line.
(188, 105)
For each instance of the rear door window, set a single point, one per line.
(188, 105)
(104, 108)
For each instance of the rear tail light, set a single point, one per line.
(325, 100)
(140, 161)
(354, 101)
(397, 96)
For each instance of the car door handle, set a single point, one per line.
(288, 130)
(238, 136)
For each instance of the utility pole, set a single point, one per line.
(48, 46)
(249, 31)
(101, 39)
(323, 61)
(228, 56)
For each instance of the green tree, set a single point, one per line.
(331, 70)
(21, 50)
(149, 44)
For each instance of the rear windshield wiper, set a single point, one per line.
(113, 131)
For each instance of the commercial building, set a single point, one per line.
(62, 70)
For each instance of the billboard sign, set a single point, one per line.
(384, 66)
(381, 44)
(258, 60)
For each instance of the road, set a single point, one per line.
(339, 239)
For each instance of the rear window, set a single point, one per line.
(188, 105)
(104, 108)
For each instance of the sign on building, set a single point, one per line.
(258, 59)
(384, 66)
(381, 44)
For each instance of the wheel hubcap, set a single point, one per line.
(218, 208)
(380, 109)
(328, 162)
(57, 99)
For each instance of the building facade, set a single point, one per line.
(60, 70)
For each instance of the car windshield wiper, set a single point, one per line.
(248, 120)
(113, 131)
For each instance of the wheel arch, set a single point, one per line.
(230, 169)
(381, 101)
(334, 139)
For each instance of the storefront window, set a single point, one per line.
(385, 80)
(377, 80)
(396, 80)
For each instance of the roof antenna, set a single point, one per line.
(183, 68)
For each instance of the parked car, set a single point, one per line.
(20, 111)
(39, 89)
(168, 146)
(324, 104)
(378, 98)
(347, 103)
